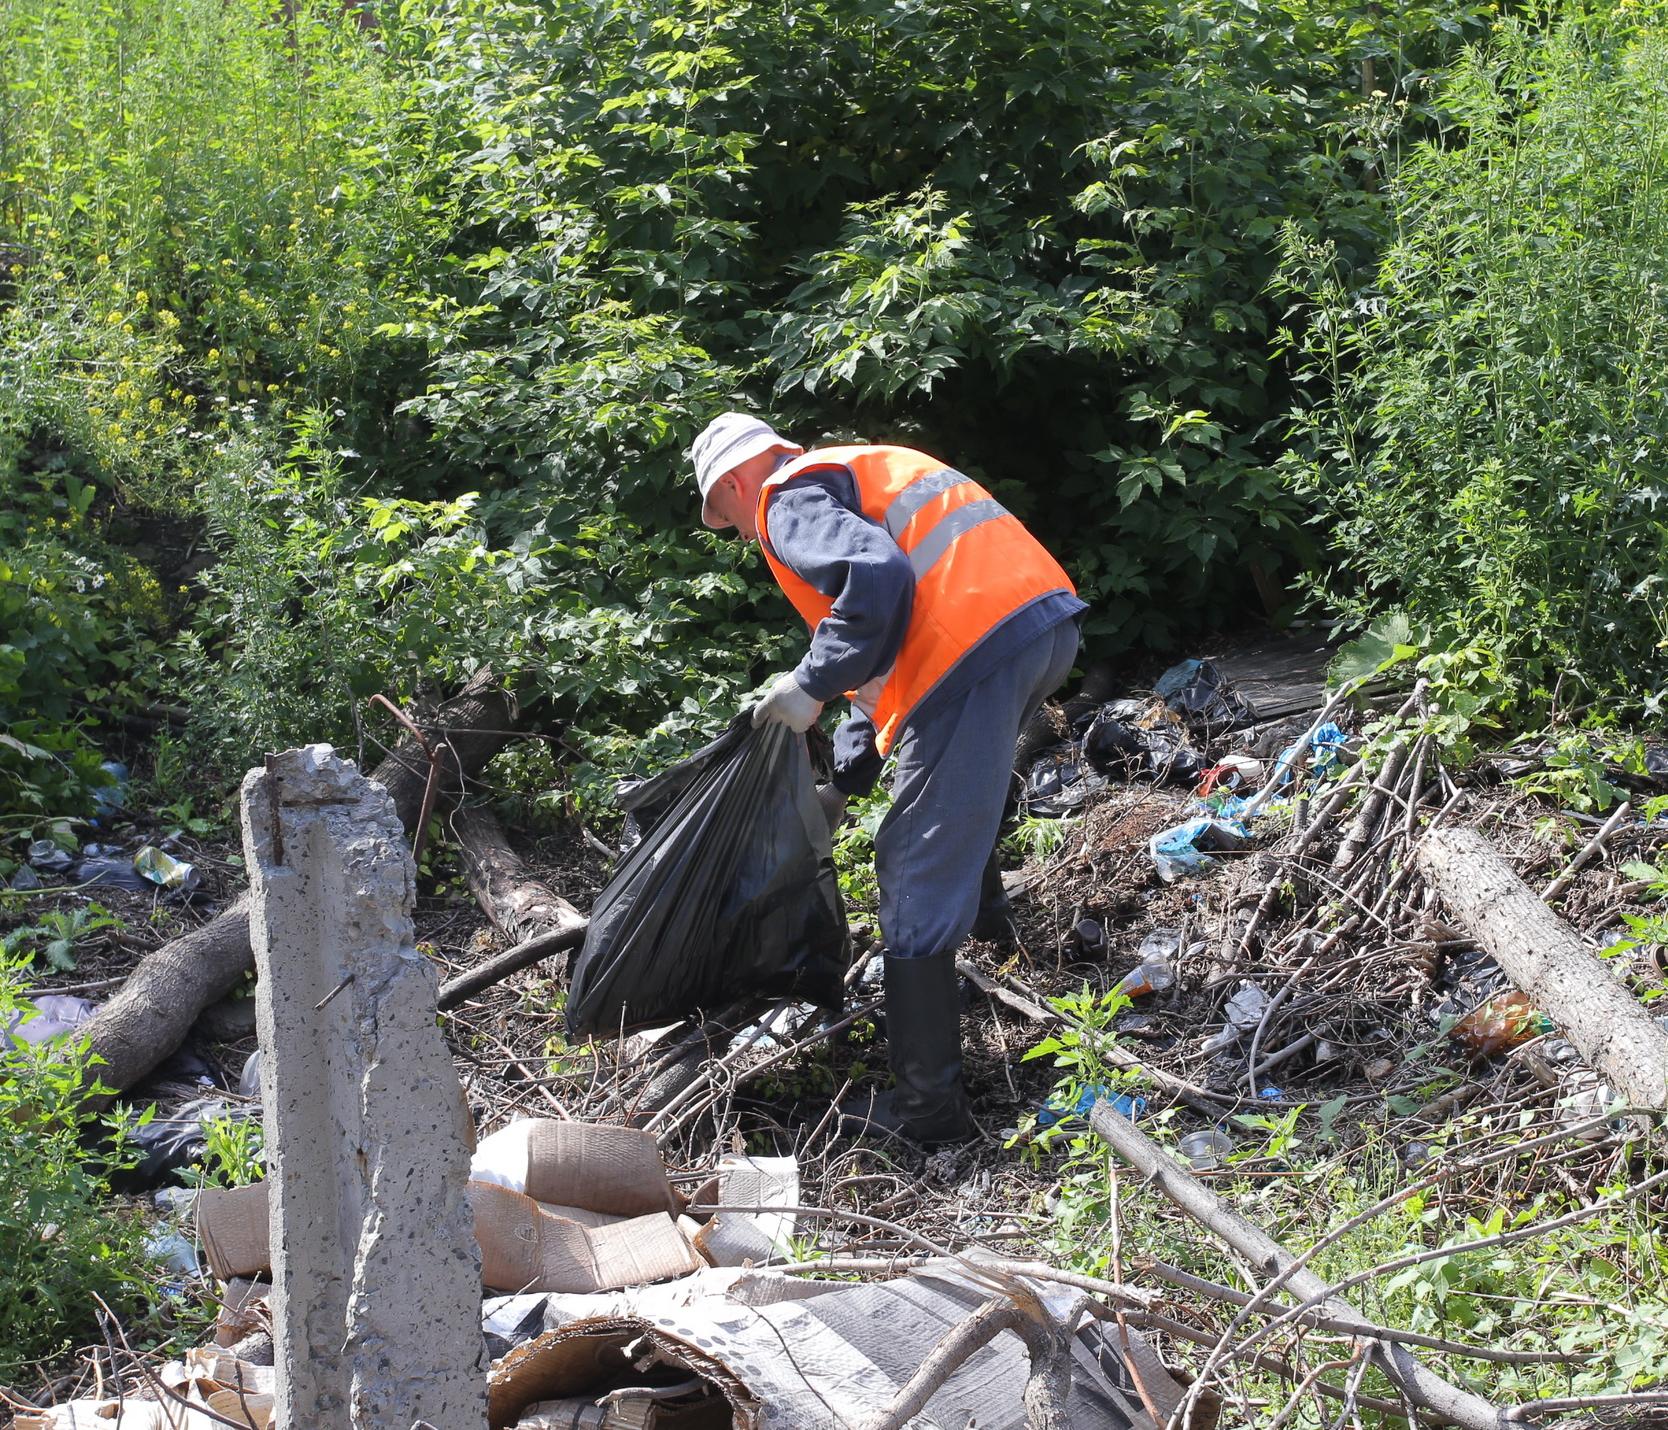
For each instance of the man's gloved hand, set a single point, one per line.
(833, 802)
(786, 704)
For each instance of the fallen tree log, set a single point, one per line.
(521, 906)
(1422, 1386)
(1544, 957)
(149, 1018)
(512, 960)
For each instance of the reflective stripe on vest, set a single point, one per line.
(974, 564)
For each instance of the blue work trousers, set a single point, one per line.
(951, 783)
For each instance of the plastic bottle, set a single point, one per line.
(1501, 1022)
(1152, 976)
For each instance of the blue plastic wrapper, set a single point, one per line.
(107, 799)
(1325, 748)
(1187, 848)
(1051, 1114)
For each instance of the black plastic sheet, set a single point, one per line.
(728, 892)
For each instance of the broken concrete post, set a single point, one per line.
(376, 1274)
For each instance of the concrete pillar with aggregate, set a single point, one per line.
(376, 1273)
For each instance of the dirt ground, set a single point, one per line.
(1354, 1031)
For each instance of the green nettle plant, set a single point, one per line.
(1490, 453)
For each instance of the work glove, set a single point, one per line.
(833, 802)
(786, 704)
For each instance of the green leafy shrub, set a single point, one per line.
(301, 276)
(61, 1239)
(1490, 456)
(1035, 238)
(71, 624)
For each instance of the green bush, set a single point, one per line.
(1034, 237)
(60, 1239)
(1490, 457)
(298, 275)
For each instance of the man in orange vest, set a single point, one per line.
(947, 624)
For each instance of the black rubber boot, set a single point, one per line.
(923, 1037)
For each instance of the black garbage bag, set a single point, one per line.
(1198, 692)
(729, 891)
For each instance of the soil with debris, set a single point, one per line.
(1354, 981)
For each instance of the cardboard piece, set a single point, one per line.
(635, 1413)
(235, 1230)
(207, 1380)
(526, 1246)
(594, 1167)
(736, 1238)
(243, 1310)
(791, 1354)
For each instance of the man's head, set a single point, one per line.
(733, 456)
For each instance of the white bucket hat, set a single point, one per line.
(724, 444)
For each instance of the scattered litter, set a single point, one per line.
(1233, 774)
(1059, 782)
(737, 1238)
(1156, 746)
(1090, 937)
(786, 1353)
(1053, 1112)
(567, 1165)
(1586, 1097)
(1127, 739)
(171, 1142)
(48, 858)
(1161, 943)
(55, 1015)
(1246, 1007)
(735, 872)
(218, 1389)
(117, 872)
(1187, 848)
(109, 798)
(1151, 975)
(176, 1201)
(249, 1080)
(24, 879)
(172, 1252)
(161, 868)
(1196, 691)
(1504, 1021)
(1205, 1149)
(1271, 1093)
(527, 1246)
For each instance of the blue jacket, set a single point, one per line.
(818, 530)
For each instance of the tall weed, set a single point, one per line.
(1490, 454)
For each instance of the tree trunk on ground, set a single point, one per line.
(142, 1025)
(469, 729)
(519, 905)
(1544, 957)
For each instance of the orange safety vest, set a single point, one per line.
(975, 565)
